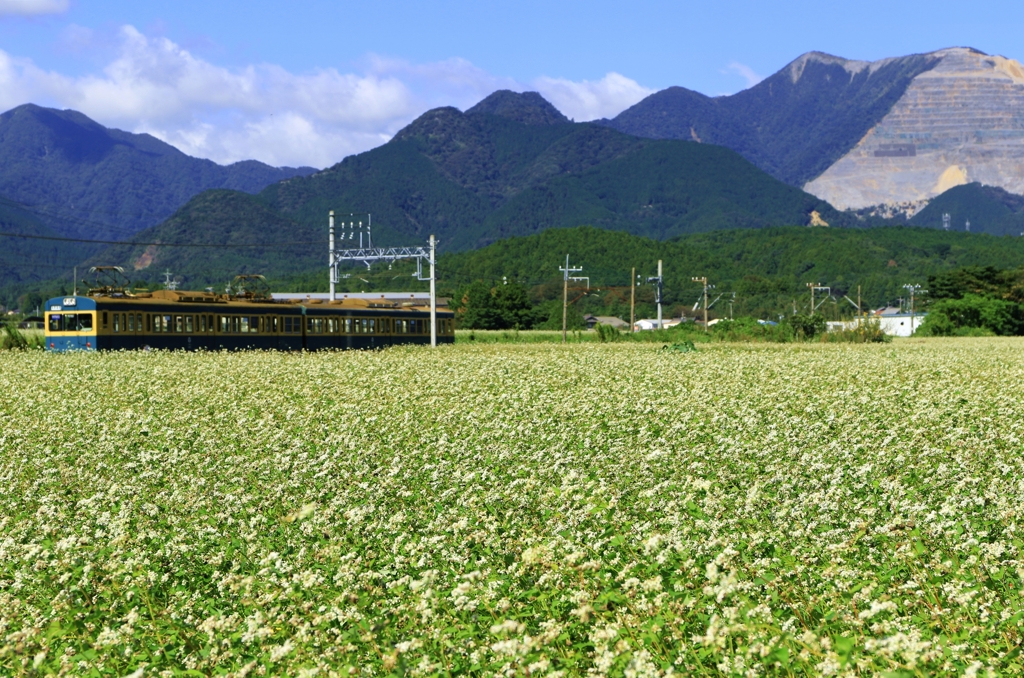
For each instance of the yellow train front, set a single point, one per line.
(181, 320)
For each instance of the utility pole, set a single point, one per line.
(565, 292)
(860, 309)
(817, 286)
(75, 285)
(330, 260)
(914, 290)
(632, 299)
(658, 282)
(433, 297)
(704, 281)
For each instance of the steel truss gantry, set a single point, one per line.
(370, 255)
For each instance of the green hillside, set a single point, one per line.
(767, 269)
(26, 261)
(990, 209)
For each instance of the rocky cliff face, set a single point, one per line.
(961, 121)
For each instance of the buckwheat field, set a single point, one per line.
(514, 510)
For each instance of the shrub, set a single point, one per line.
(958, 317)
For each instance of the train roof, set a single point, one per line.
(164, 297)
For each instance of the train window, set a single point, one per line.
(245, 324)
(117, 322)
(85, 322)
(188, 324)
(131, 322)
(165, 324)
(179, 324)
(138, 322)
(224, 324)
(273, 324)
(347, 329)
(202, 323)
(55, 322)
(373, 325)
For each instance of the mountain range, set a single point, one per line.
(510, 166)
(87, 181)
(889, 141)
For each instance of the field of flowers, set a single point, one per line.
(517, 510)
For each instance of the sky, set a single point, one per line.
(308, 82)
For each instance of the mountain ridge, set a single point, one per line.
(475, 177)
(793, 124)
(87, 180)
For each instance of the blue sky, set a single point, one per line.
(310, 81)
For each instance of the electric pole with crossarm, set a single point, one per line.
(565, 292)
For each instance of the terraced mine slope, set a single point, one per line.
(959, 122)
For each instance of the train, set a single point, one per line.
(114, 318)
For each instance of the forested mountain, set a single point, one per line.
(29, 260)
(87, 181)
(472, 178)
(767, 269)
(990, 209)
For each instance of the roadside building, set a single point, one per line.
(891, 320)
(594, 320)
(652, 323)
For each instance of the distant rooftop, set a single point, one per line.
(351, 295)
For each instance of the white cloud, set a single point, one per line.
(267, 113)
(744, 71)
(590, 100)
(33, 7)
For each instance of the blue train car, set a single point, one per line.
(183, 320)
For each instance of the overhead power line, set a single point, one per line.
(161, 244)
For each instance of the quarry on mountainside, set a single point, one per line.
(957, 123)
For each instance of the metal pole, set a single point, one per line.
(330, 259)
(660, 325)
(860, 311)
(565, 297)
(632, 300)
(911, 306)
(433, 298)
(705, 304)
(75, 285)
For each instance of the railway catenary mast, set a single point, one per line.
(369, 255)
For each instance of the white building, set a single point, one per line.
(894, 324)
(652, 323)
